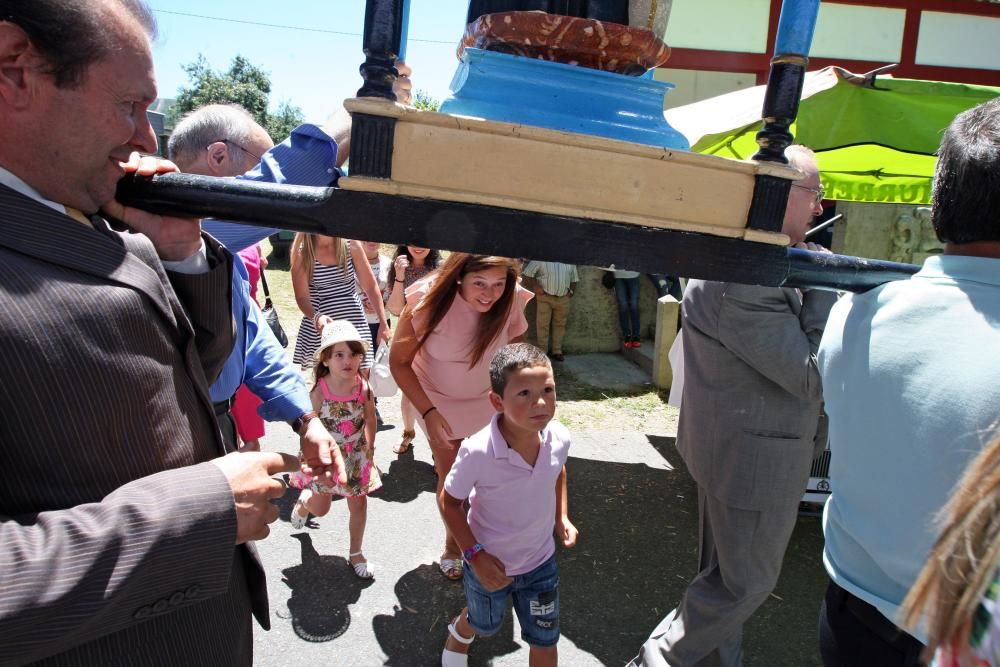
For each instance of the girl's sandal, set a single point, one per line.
(364, 569)
(451, 568)
(454, 658)
(405, 443)
(296, 518)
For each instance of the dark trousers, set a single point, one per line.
(627, 293)
(664, 285)
(226, 424)
(853, 633)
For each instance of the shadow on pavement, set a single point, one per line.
(415, 633)
(322, 587)
(638, 549)
(406, 479)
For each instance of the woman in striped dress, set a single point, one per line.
(325, 270)
(410, 264)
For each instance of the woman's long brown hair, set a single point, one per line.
(444, 290)
(963, 561)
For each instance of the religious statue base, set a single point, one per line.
(469, 160)
(558, 96)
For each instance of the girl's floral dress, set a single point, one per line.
(984, 639)
(344, 418)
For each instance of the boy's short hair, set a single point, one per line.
(513, 357)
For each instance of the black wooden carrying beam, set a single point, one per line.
(500, 231)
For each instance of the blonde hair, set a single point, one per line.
(964, 559)
(304, 253)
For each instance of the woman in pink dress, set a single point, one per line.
(454, 322)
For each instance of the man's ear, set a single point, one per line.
(20, 66)
(496, 401)
(218, 159)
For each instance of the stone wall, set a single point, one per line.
(896, 232)
(593, 320)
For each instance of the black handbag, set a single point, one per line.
(271, 314)
(608, 279)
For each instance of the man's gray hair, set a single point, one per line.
(796, 153)
(211, 123)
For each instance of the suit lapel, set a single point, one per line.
(33, 229)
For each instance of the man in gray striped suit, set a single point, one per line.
(124, 534)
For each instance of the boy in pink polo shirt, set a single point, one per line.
(514, 474)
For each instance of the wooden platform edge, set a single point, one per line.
(408, 114)
(390, 187)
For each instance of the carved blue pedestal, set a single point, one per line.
(528, 91)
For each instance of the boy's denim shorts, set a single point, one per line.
(536, 603)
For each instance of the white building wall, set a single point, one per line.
(721, 25)
(959, 40)
(858, 33)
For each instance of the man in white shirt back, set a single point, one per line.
(910, 381)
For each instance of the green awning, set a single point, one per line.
(873, 143)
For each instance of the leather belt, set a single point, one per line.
(874, 620)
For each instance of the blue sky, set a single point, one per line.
(314, 61)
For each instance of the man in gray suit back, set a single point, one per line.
(749, 425)
(124, 532)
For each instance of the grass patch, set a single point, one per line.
(584, 407)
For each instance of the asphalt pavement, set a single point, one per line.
(635, 506)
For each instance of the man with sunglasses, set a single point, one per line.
(749, 428)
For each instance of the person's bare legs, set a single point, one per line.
(409, 414)
(444, 457)
(542, 656)
(409, 424)
(250, 445)
(317, 504)
(358, 507)
(463, 628)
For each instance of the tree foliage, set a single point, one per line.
(423, 101)
(244, 84)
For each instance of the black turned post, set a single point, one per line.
(781, 105)
(382, 38)
(371, 136)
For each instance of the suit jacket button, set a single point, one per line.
(160, 606)
(176, 599)
(141, 613)
(192, 591)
